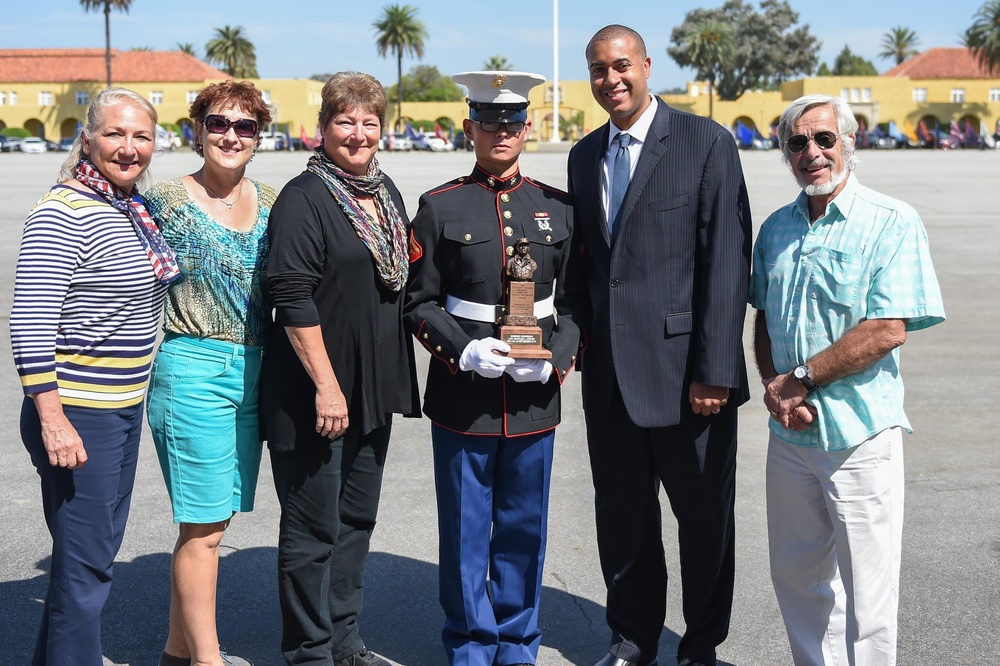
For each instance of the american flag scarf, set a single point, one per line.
(160, 255)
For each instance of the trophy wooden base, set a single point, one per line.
(524, 341)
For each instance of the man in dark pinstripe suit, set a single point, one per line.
(661, 294)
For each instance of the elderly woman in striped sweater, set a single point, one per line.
(89, 287)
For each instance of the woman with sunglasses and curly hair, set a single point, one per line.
(203, 389)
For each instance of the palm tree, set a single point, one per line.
(707, 46)
(983, 36)
(899, 44)
(106, 6)
(399, 32)
(187, 47)
(497, 63)
(231, 49)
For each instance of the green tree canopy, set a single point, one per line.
(850, 64)
(768, 45)
(106, 6)
(497, 63)
(708, 46)
(899, 44)
(231, 49)
(983, 36)
(398, 32)
(187, 47)
(425, 83)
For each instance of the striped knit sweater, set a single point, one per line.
(86, 303)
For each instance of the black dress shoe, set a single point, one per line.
(611, 660)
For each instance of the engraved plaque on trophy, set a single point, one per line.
(520, 328)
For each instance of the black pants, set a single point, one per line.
(329, 500)
(628, 464)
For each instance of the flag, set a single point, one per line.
(971, 138)
(416, 137)
(307, 143)
(745, 134)
(187, 133)
(954, 130)
(439, 133)
(923, 133)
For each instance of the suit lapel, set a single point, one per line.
(592, 186)
(653, 150)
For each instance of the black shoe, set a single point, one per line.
(611, 660)
(363, 658)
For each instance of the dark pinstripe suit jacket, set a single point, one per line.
(665, 306)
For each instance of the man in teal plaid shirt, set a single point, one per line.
(840, 276)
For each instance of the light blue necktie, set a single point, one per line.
(619, 180)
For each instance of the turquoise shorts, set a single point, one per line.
(202, 412)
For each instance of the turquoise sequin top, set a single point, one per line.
(221, 291)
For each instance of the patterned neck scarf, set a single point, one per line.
(160, 255)
(385, 237)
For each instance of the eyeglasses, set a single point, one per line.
(798, 142)
(244, 127)
(492, 126)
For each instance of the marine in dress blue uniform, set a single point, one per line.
(493, 416)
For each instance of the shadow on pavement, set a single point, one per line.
(401, 620)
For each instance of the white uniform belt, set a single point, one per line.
(490, 313)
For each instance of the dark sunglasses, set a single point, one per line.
(798, 142)
(493, 126)
(244, 127)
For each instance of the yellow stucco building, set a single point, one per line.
(47, 91)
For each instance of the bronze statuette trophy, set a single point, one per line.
(520, 328)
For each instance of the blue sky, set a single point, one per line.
(303, 37)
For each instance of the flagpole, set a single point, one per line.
(555, 72)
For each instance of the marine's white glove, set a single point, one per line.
(529, 370)
(480, 359)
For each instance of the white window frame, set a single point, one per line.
(920, 94)
(958, 95)
(82, 98)
(44, 98)
(156, 97)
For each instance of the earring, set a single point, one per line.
(253, 155)
(198, 147)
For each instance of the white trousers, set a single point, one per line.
(835, 532)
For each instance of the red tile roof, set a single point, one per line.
(942, 63)
(68, 65)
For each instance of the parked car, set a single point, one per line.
(437, 144)
(66, 143)
(11, 144)
(167, 139)
(33, 144)
(399, 141)
(462, 142)
(276, 141)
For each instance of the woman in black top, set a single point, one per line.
(337, 271)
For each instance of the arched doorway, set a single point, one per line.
(69, 128)
(36, 127)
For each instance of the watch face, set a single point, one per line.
(800, 372)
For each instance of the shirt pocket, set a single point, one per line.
(836, 277)
(469, 257)
(546, 250)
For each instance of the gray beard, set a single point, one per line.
(823, 189)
